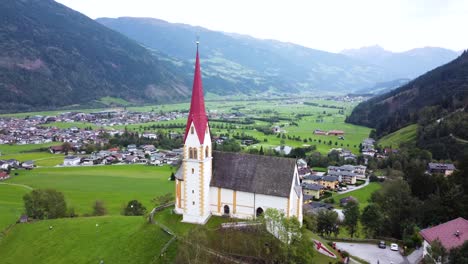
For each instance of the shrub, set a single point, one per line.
(134, 207)
(99, 208)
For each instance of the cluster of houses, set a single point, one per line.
(33, 131)
(346, 154)
(7, 165)
(39, 129)
(314, 184)
(145, 154)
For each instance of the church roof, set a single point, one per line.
(253, 173)
(197, 113)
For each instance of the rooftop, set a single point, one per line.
(451, 234)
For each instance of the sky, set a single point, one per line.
(330, 25)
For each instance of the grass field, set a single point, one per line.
(11, 204)
(116, 239)
(405, 135)
(15, 149)
(362, 195)
(114, 185)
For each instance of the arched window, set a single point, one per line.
(226, 209)
(190, 153)
(195, 155)
(192, 130)
(207, 152)
(259, 211)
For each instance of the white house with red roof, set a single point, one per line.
(451, 234)
(232, 184)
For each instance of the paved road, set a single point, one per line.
(372, 253)
(352, 189)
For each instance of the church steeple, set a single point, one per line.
(197, 114)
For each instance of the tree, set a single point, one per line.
(436, 253)
(327, 222)
(372, 219)
(66, 147)
(261, 151)
(45, 204)
(99, 209)
(351, 213)
(172, 176)
(163, 199)
(134, 207)
(459, 255)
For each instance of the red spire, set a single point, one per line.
(197, 113)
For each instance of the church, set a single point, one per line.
(233, 184)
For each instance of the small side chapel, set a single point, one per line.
(223, 183)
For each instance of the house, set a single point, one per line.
(314, 190)
(131, 159)
(132, 148)
(442, 168)
(319, 132)
(29, 165)
(316, 207)
(56, 149)
(4, 175)
(451, 234)
(23, 219)
(71, 161)
(237, 185)
(150, 136)
(312, 179)
(149, 149)
(330, 182)
(336, 132)
(346, 200)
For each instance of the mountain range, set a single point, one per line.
(234, 63)
(52, 56)
(408, 64)
(436, 101)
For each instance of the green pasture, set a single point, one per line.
(406, 135)
(14, 149)
(11, 204)
(115, 185)
(362, 195)
(113, 239)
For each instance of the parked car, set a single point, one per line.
(394, 247)
(382, 244)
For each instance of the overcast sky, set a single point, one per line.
(331, 25)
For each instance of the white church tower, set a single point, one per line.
(193, 192)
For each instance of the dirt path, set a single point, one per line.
(15, 184)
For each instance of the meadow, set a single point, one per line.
(11, 204)
(115, 185)
(406, 135)
(113, 239)
(362, 195)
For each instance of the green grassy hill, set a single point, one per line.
(116, 239)
(406, 135)
(114, 185)
(11, 204)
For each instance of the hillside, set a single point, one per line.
(234, 63)
(436, 101)
(408, 64)
(52, 56)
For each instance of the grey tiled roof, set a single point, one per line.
(253, 173)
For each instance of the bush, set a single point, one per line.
(45, 204)
(99, 209)
(360, 182)
(134, 207)
(373, 178)
(330, 200)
